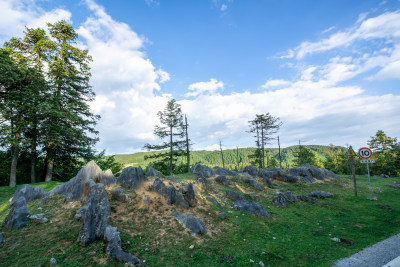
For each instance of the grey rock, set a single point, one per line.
(202, 170)
(251, 207)
(18, 215)
(94, 223)
(98, 192)
(300, 171)
(171, 195)
(151, 172)
(189, 195)
(222, 180)
(39, 218)
(222, 215)
(234, 196)
(321, 194)
(384, 175)
(172, 178)
(159, 187)
(290, 197)
(242, 173)
(108, 178)
(270, 174)
(181, 201)
(30, 193)
(1, 238)
(286, 178)
(146, 203)
(306, 198)
(307, 180)
(329, 174)
(395, 184)
(114, 250)
(213, 200)
(221, 171)
(279, 199)
(252, 170)
(316, 173)
(268, 182)
(80, 213)
(53, 262)
(131, 177)
(191, 222)
(252, 182)
(254, 197)
(119, 195)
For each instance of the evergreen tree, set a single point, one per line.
(172, 127)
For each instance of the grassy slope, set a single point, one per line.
(299, 235)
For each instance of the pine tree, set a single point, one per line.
(172, 127)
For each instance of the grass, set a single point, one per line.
(298, 235)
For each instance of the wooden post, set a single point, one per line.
(351, 155)
(187, 145)
(280, 159)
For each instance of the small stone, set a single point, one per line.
(191, 247)
(261, 263)
(39, 218)
(53, 262)
(222, 215)
(335, 239)
(251, 261)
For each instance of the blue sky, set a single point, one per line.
(329, 69)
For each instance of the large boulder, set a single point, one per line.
(202, 170)
(252, 170)
(191, 222)
(252, 182)
(221, 171)
(119, 195)
(159, 187)
(189, 196)
(279, 199)
(131, 177)
(114, 250)
(290, 197)
(151, 172)
(108, 178)
(267, 173)
(321, 194)
(316, 172)
(18, 215)
(277, 174)
(302, 173)
(234, 196)
(308, 173)
(222, 180)
(1, 238)
(395, 184)
(30, 193)
(181, 201)
(248, 206)
(171, 195)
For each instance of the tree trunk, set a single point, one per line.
(222, 155)
(14, 161)
(187, 145)
(262, 147)
(280, 159)
(33, 158)
(170, 152)
(50, 163)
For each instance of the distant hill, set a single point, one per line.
(231, 156)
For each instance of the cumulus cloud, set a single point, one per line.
(275, 83)
(204, 87)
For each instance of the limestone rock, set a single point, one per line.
(80, 213)
(188, 194)
(321, 194)
(252, 170)
(1, 238)
(279, 199)
(290, 197)
(181, 201)
(286, 178)
(234, 196)
(191, 222)
(222, 215)
(172, 178)
(213, 200)
(267, 173)
(159, 187)
(222, 180)
(131, 177)
(268, 182)
(119, 195)
(114, 250)
(151, 172)
(98, 192)
(18, 215)
(395, 184)
(248, 206)
(146, 203)
(39, 218)
(202, 170)
(171, 195)
(30, 193)
(306, 198)
(252, 182)
(53, 262)
(108, 178)
(221, 171)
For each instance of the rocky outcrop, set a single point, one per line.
(222, 171)
(108, 178)
(252, 170)
(146, 203)
(251, 207)
(395, 184)
(321, 194)
(234, 196)
(302, 173)
(213, 200)
(308, 173)
(252, 182)
(191, 222)
(41, 218)
(222, 180)
(18, 215)
(119, 195)
(159, 187)
(151, 172)
(189, 196)
(1, 238)
(114, 250)
(202, 170)
(131, 177)
(30, 193)
(279, 199)
(290, 197)
(306, 198)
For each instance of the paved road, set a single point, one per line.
(384, 252)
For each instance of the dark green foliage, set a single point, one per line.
(306, 156)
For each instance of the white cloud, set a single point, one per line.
(275, 83)
(224, 7)
(163, 76)
(204, 87)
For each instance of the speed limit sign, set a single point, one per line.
(365, 152)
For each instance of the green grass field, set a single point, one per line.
(298, 235)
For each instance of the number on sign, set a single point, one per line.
(365, 153)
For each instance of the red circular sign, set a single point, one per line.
(365, 152)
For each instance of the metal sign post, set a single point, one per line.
(351, 155)
(366, 153)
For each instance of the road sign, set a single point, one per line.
(351, 152)
(365, 152)
(367, 161)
